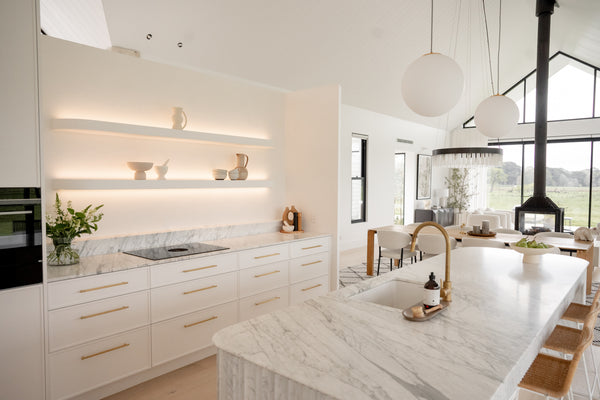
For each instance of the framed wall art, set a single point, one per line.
(423, 176)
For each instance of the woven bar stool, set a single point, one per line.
(552, 376)
(578, 312)
(564, 339)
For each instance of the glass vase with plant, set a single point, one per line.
(66, 225)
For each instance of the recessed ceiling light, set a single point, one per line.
(149, 36)
(180, 45)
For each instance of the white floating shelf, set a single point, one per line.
(150, 132)
(114, 184)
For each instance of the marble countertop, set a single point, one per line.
(101, 264)
(478, 348)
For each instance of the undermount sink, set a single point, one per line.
(395, 293)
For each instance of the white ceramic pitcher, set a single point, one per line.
(179, 118)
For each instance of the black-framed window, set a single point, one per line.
(359, 178)
(572, 178)
(399, 182)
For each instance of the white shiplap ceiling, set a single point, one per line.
(364, 46)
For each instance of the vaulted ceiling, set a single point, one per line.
(365, 46)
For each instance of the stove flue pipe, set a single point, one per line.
(544, 11)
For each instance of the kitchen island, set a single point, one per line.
(337, 347)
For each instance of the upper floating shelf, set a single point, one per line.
(150, 132)
(116, 184)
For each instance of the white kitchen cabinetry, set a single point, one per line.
(179, 336)
(21, 343)
(81, 368)
(19, 152)
(98, 330)
(106, 327)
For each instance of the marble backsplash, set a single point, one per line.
(98, 246)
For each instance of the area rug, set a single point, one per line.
(358, 273)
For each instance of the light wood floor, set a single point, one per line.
(195, 381)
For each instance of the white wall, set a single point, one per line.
(84, 82)
(312, 122)
(382, 132)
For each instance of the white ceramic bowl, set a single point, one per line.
(532, 255)
(219, 174)
(139, 167)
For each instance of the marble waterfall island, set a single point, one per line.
(339, 347)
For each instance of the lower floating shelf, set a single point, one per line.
(119, 184)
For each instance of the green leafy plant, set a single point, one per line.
(66, 225)
(458, 188)
(70, 224)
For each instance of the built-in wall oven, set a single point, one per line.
(20, 237)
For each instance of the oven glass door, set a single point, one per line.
(20, 237)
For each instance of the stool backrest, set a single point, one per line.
(592, 315)
(393, 239)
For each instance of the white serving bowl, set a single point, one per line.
(139, 167)
(532, 255)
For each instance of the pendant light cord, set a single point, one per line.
(499, 36)
(487, 35)
(431, 32)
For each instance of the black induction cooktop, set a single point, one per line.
(160, 253)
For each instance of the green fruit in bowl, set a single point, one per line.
(531, 244)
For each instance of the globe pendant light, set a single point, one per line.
(433, 83)
(497, 115)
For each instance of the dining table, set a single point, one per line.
(583, 249)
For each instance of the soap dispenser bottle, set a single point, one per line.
(432, 293)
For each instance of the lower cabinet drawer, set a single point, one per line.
(96, 287)
(82, 368)
(263, 303)
(182, 298)
(308, 267)
(77, 324)
(308, 289)
(258, 279)
(182, 335)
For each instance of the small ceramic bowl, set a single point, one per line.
(532, 255)
(139, 167)
(219, 174)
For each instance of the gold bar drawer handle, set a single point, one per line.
(103, 287)
(267, 255)
(201, 289)
(266, 273)
(200, 322)
(198, 269)
(104, 312)
(312, 287)
(311, 263)
(266, 301)
(312, 247)
(105, 351)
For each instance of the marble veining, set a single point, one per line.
(101, 264)
(339, 347)
(93, 246)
